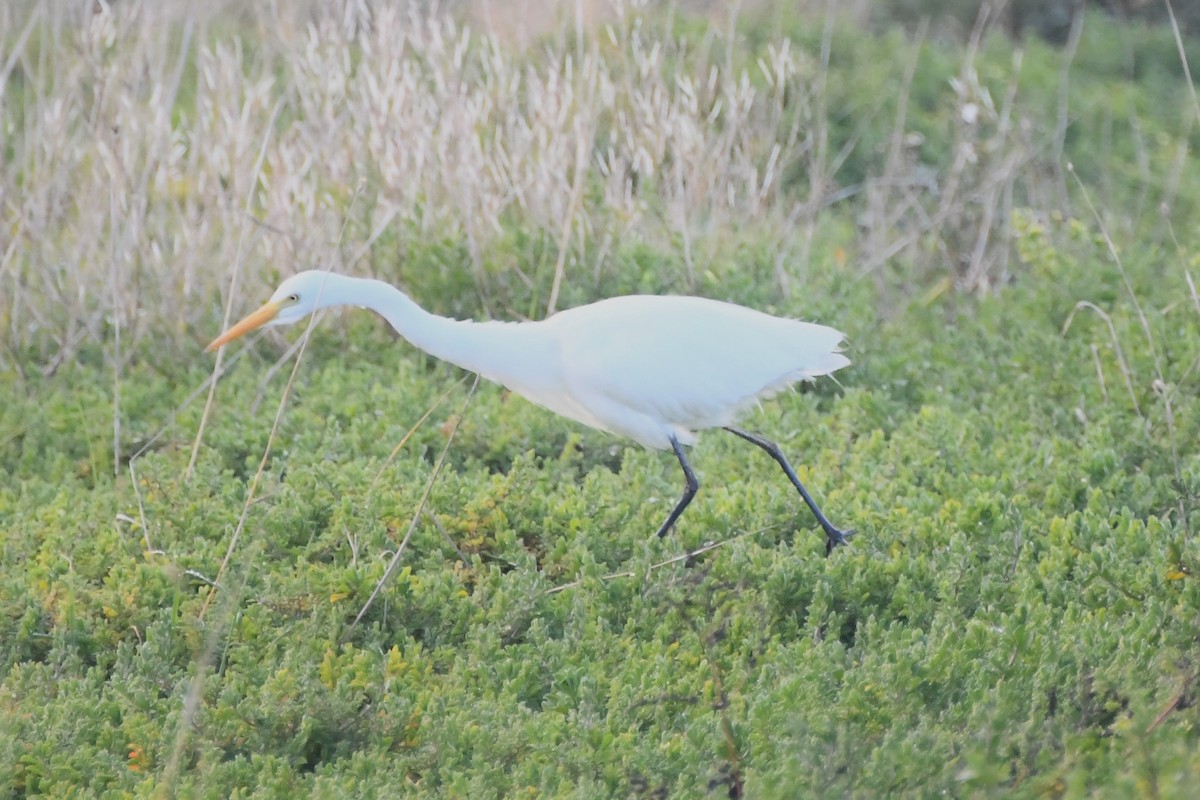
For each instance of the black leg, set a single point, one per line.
(688, 493)
(834, 536)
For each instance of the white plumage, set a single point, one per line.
(650, 368)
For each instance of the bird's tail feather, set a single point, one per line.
(826, 364)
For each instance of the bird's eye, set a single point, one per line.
(293, 298)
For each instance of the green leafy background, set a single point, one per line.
(1017, 615)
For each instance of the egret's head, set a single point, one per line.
(296, 298)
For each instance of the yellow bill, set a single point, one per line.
(253, 321)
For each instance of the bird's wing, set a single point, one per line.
(681, 363)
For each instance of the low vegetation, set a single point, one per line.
(1004, 230)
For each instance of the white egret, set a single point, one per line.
(653, 369)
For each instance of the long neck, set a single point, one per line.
(506, 352)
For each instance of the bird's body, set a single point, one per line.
(651, 368)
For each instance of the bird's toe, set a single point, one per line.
(835, 537)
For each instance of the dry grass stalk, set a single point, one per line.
(151, 138)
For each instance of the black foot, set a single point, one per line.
(835, 537)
